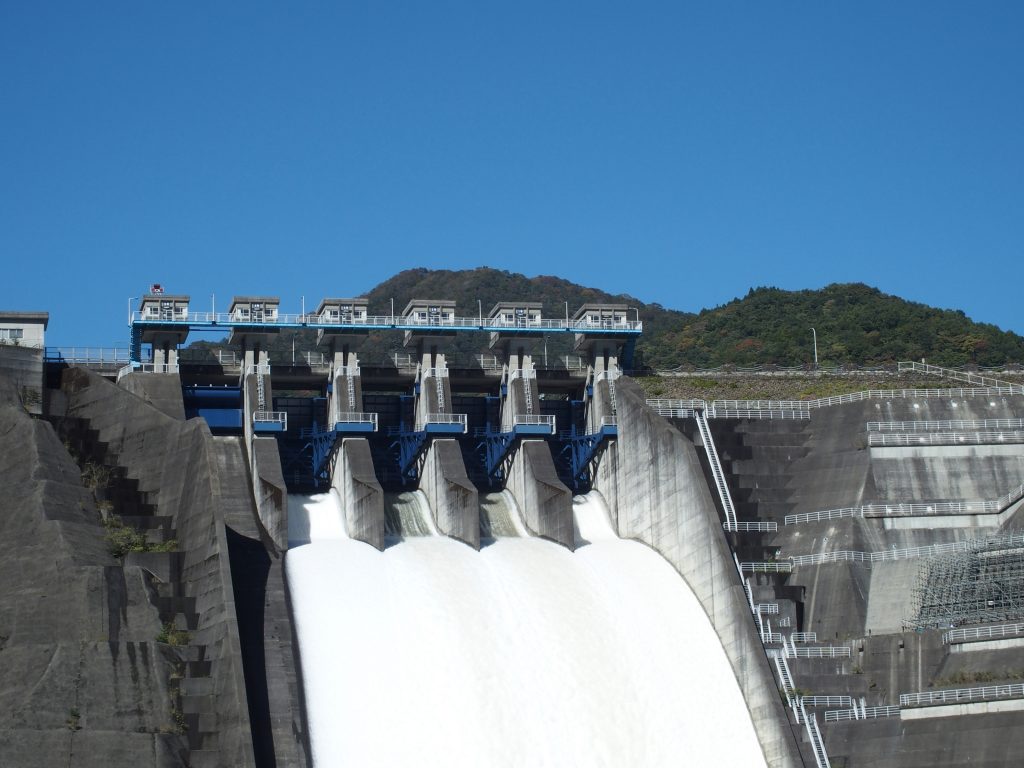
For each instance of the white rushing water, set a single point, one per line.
(523, 654)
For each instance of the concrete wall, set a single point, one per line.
(176, 462)
(545, 502)
(269, 489)
(653, 483)
(162, 391)
(84, 683)
(450, 494)
(362, 498)
(22, 368)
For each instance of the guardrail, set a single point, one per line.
(949, 373)
(896, 510)
(271, 417)
(861, 713)
(766, 609)
(803, 637)
(147, 368)
(393, 321)
(908, 440)
(827, 701)
(800, 409)
(358, 418)
(967, 634)
(956, 695)
(1008, 540)
(776, 566)
(442, 418)
(949, 425)
(532, 420)
(87, 355)
(766, 526)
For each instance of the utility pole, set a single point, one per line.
(815, 333)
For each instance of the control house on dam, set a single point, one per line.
(431, 559)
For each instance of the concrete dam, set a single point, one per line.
(236, 560)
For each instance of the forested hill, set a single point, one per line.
(855, 324)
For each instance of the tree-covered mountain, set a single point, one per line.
(855, 324)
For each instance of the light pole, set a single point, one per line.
(480, 308)
(130, 300)
(815, 334)
(392, 311)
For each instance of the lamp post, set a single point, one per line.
(392, 311)
(815, 336)
(130, 300)
(480, 308)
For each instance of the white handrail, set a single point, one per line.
(982, 633)
(954, 695)
(716, 469)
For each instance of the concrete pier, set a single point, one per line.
(362, 499)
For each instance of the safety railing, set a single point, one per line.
(896, 510)
(949, 425)
(967, 634)
(827, 701)
(609, 421)
(861, 713)
(271, 417)
(442, 418)
(905, 553)
(87, 355)
(351, 417)
(716, 469)
(957, 695)
(803, 637)
(437, 373)
(908, 440)
(772, 566)
(949, 373)
(273, 317)
(146, 368)
(818, 652)
(766, 609)
(766, 526)
(814, 735)
(260, 369)
(530, 420)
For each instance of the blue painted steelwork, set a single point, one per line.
(497, 449)
(206, 321)
(267, 426)
(582, 449)
(411, 446)
(323, 442)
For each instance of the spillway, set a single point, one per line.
(430, 653)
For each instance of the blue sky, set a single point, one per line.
(679, 152)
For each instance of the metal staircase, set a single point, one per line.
(716, 470)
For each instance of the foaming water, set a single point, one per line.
(523, 654)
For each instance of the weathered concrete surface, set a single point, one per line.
(653, 483)
(176, 463)
(545, 501)
(362, 498)
(270, 490)
(450, 494)
(82, 680)
(22, 368)
(162, 391)
(264, 623)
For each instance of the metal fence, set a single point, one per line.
(949, 425)
(957, 695)
(845, 555)
(905, 440)
(861, 713)
(966, 634)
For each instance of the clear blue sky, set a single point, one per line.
(680, 152)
